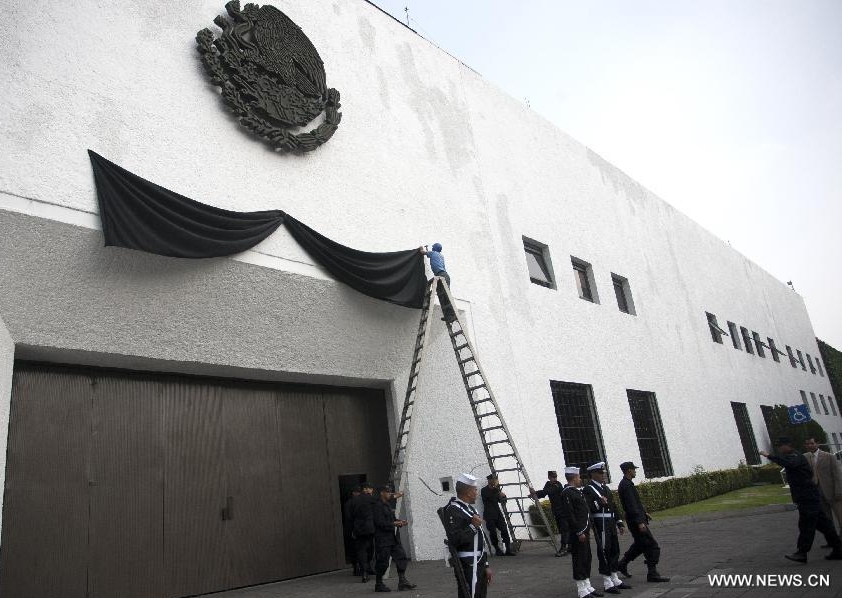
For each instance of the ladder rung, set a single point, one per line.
(477, 387)
(503, 456)
(478, 401)
(456, 333)
(507, 469)
(460, 347)
(469, 374)
(467, 359)
(481, 415)
(490, 429)
(496, 441)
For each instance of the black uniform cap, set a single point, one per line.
(491, 476)
(627, 465)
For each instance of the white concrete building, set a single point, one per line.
(427, 151)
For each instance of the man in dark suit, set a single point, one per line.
(805, 494)
(638, 521)
(387, 542)
(493, 510)
(552, 490)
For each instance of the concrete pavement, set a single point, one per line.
(749, 542)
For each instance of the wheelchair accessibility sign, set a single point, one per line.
(799, 414)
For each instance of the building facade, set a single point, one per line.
(610, 325)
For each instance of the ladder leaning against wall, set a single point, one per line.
(500, 451)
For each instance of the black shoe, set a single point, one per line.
(624, 569)
(798, 557)
(509, 553)
(381, 587)
(612, 590)
(836, 555)
(623, 586)
(365, 578)
(596, 594)
(498, 552)
(656, 577)
(405, 585)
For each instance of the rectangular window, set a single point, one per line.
(538, 263)
(746, 340)
(830, 403)
(804, 399)
(735, 336)
(815, 402)
(819, 366)
(578, 424)
(622, 291)
(768, 411)
(776, 353)
(812, 367)
(746, 433)
(583, 273)
(791, 356)
(759, 344)
(716, 332)
(824, 405)
(654, 454)
(801, 360)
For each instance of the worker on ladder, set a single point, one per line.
(437, 265)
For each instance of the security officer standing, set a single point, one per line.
(463, 527)
(362, 529)
(552, 490)
(638, 521)
(606, 525)
(493, 505)
(579, 521)
(387, 542)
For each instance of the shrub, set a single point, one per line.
(657, 496)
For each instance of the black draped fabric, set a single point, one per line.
(138, 214)
(396, 276)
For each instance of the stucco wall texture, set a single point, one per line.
(427, 151)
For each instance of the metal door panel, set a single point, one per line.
(45, 508)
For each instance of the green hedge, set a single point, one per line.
(702, 484)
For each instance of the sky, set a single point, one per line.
(730, 110)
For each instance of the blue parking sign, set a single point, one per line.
(799, 414)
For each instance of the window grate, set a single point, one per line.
(649, 430)
(746, 433)
(578, 424)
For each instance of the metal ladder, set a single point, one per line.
(503, 457)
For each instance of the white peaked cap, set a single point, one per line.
(467, 479)
(597, 466)
(571, 471)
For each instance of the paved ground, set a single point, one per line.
(739, 542)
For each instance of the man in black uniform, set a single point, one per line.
(362, 528)
(805, 494)
(606, 525)
(493, 505)
(552, 490)
(638, 522)
(576, 512)
(387, 542)
(347, 529)
(463, 526)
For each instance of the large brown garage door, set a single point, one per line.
(139, 485)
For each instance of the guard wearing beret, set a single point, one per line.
(579, 520)
(606, 526)
(493, 510)
(638, 521)
(387, 542)
(463, 527)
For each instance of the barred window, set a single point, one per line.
(774, 350)
(815, 402)
(768, 411)
(654, 454)
(819, 365)
(810, 361)
(801, 360)
(791, 356)
(746, 433)
(578, 424)
(746, 339)
(759, 344)
(716, 333)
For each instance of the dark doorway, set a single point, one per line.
(150, 485)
